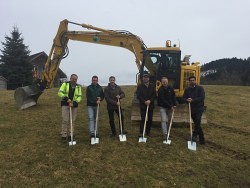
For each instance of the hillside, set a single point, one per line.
(32, 155)
(226, 72)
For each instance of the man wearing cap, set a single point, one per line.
(146, 95)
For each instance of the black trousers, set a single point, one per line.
(149, 122)
(112, 122)
(197, 124)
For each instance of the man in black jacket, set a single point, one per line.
(146, 95)
(195, 95)
(167, 102)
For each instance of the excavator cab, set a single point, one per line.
(167, 62)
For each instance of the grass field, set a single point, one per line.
(32, 155)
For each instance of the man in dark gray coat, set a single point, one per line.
(112, 93)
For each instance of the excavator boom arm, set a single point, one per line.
(59, 49)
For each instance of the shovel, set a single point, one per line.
(122, 136)
(171, 121)
(72, 142)
(143, 139)
(95, 140)
(191, 144)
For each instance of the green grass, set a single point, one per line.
(32, 155)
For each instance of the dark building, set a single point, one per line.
(38, 60)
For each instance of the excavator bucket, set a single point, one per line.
(181, 114)
(27, 96)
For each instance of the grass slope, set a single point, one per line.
(32, 155)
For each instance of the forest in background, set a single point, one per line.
(226, 71)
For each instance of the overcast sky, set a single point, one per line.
(207, 29)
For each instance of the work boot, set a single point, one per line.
(69, 138)
(201, 140)
(140, 135)
(124, 132)
(165, 137)
(63, 139)
(194, 138)
(113, 135)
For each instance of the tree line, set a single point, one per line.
(227, 71)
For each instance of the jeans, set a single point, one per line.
(92, 119)
(165, 119)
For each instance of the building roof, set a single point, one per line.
(34, 56)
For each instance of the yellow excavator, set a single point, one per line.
(157, 61)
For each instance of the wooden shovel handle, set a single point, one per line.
(120, 118)
(145, 122)
(190, 120)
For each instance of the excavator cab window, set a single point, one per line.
(167, 63)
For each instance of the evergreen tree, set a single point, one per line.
(15, 66)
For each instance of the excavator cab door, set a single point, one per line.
(166, 63)
(169, 66)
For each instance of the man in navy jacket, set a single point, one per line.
(195, 95)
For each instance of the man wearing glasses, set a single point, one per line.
(195, 95)
(94, 95)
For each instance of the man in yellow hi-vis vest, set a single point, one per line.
(70, 94)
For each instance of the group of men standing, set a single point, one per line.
(70, 93)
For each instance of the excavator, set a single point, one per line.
(157, 61)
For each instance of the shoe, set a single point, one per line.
(202, 141)
(92, 135)
(165, 137)
(124, 132)
(63, 139)
(194, 138)
(69, 138)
